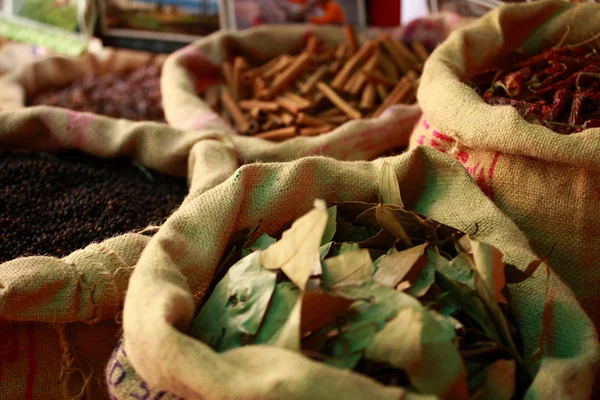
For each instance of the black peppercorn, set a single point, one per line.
(56, 204)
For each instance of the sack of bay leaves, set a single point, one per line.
(525, 141)
(252, 290)
(80, 196)
(313, 90)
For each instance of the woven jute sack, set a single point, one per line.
(548, 183)
(188, 72)
(157, 359)
(60, 317)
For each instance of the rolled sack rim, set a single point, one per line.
(454, 109)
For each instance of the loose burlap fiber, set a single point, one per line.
(59, 318)
(190, 70)
(548, 183)
(158, 360)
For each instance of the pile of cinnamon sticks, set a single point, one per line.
(319, 89)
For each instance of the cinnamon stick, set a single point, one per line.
(367, 100)
(398, 59)
(388, 67)
(227, 70)
(400, 92)
(420, 50)
(312, 44)
(307, 120)
(338, 101)
(312, 80)
(236, 114)
(276, 68)
(342, 77)
(240, 65)
(377, 78)
(262, 105)
(351, 38)
(370, 66)
(292, 72)
(279, 135)
(315, 130)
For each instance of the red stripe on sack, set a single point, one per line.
(598, 192)
(441, 136)
(32, 362)
(491, 173)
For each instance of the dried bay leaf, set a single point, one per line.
(426, 277)
(237, 305)
(319, 309)
(460, 296)
(284, 298)
(263, 242)
(324, 250)
(288, 337)
(388, 186)
(375, 306)
(489, 265)
(297, 253)
(352, 267)
(416, 342)
(388, 221)
(347, 247)
(431, 375)
(399, 342)
(312, 311)
(395, 268)
(330, 228)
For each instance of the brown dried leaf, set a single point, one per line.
(297, 253)
(353, 267)
(388, 221)
(388, 186)
(319, 309)
(400, 266)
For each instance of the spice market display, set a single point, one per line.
(220, 216)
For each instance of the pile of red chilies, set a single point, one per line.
(559, 88)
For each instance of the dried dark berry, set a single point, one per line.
(134, 95)
(56, 204)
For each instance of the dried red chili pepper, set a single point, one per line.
(542, 87)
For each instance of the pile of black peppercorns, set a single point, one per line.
(54, 204)
(134, 95)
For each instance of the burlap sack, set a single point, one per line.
(53, 71)
(548, 183)
(191, 69)
(158, 360)
(59, 318)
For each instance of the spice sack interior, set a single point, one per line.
(516, 108)
(193, 317)
(322, 90)
(80, 197)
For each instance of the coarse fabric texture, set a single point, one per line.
(59, 317)
(192, 69)
(548, 183)
(170, 280)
